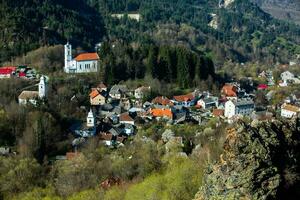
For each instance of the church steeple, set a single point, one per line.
(90, 120)
(68, 56)
(42, 87)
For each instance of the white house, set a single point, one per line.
(239, 107)
(83, 63)
(90, 120)
(32, 96)
(287, 77)
(141, 92)
(289, 111)
(208, 102)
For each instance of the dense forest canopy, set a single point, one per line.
(243, 31)
(27, 25)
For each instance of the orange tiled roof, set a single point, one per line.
(94, 93)
(87, 56)
(162, 113)
(182, 98)
(229, 90)
(163, 101)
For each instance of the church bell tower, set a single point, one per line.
(68, 56)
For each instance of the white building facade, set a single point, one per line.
(83, 63)
(289, 111)
(239, 107)
(32, 96)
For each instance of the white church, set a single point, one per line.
(33, 96)
(82, 63)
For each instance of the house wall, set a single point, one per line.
(245, 110)
(87, 66)
(82, 66)
(127, 122)
(138, 94)
(287, 113)
(5, 76)
(229, 109)
(116, 96)
(25, 101)
(97, 101)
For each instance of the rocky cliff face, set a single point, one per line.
(259, 162)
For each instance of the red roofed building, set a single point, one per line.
(162, 113)
(126, 119)
(97, 97)
(229, 91)
(262, 87)
(87, 57)
(83, 63)
(185, 100)
(162, 101)
(6, 72)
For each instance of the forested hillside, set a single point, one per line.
(244, 32)
(241, 32)
(29, 24)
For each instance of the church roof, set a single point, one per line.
(87, 56)
(29, 95)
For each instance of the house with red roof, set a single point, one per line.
(7, 72)
(97, 97)
(185, 100)
(162, 113)
(262, 87)
(229, 92)
(82, 63)
(161, 100)
(125, 118)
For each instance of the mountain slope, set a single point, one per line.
(28, 24)
(282, 9)
(242, 32)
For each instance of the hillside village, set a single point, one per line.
(139, 99)
(117, 112)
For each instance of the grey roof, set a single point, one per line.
(178, 107)
(118, 88)
(107, 107)
(147, 103)
(117, 110)
(115, 131)
(244, 102)
(210, 99)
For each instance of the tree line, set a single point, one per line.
(177, 65)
